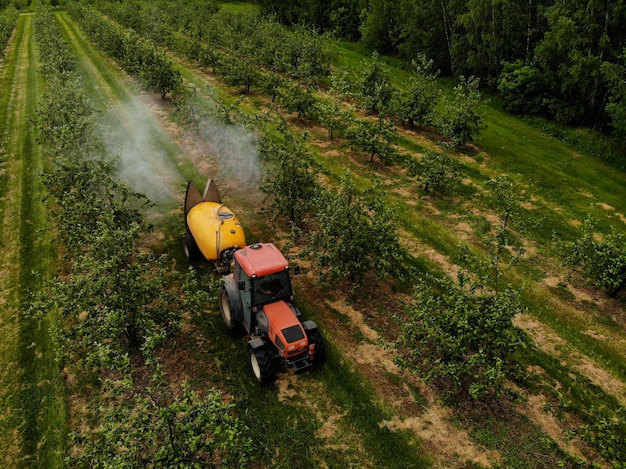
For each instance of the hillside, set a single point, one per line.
(562, 404)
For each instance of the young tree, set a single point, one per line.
(416, 104)
(461, 121)
(158, 73)
(460, 340)
(376, 139)
(438, 172)
(374, 86)
(461, 336)
(356, 233)
(153, 427)
(602, 261)
(501, 242)
(300, 100)
(333, 118)
(239, 71)
(289, 175)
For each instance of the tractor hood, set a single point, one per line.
(285, 328)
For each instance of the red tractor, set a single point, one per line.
(257, 292)
(258, 296)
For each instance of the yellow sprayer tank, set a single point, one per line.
(213, 231)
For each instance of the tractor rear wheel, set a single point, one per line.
(192, 252)
(262, 366)
(319, 351)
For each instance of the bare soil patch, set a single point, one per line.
(548, 341)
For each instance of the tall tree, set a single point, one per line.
(381, 26)
(489, 32)
(429, 28)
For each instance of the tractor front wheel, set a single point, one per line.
(225, 309)
(319, 350)
(262, 366)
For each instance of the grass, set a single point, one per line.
(38, 392)
(10, 443)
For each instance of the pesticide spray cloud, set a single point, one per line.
(145, 153)
(235, 150)
(142, 150)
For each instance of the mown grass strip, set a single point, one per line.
(10, 419)
(42, 388)
(33, 425)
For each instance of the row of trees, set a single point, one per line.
(564, 60)
(352, 232)
(255, 53)
(116, 303)
(135, 55)
(355, 231)
(246, 37)
(8, 20)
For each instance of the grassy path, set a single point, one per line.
(36, 428)
(10, 443)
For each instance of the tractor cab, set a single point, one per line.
(262, 276)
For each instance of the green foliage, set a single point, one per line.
(374, 87)
(546, 57)
(111, 304)
(606, 432)
(501, 242)
(601, 259)
(117, 303)
(133, 53)
(356, 233)
(416, 104)
(616, 108)
(333, 118)
(8, 20)
(309, 55)
(155, 428)
(461, 120)
(65, 117)
(380, 25)
(289, 175)
(57, 58)
(488, 33)
(374, 138)
(158, 73)
(299, 100)
(523, 89)
(244, 43)
(439, 172)
(460, 340)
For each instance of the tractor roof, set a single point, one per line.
(261, 259)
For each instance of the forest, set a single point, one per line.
(461, 248)
(562, 60)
